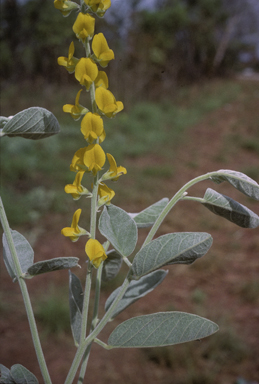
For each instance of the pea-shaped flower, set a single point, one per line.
(115, 172)
(95, 252)
(86, 72)
(101, 80)
(107, 103)
(92, 127)
(98, 6)
(84, 26)
(74, 232)
(69, 62)
(94, 158)
(77, 163)
(77, 110)
(65, 7)
(76, 189)
(102, 53)
(105, 194)
(91, 159)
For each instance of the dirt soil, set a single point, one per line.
(223, 286)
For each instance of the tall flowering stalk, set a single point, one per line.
(91, 159)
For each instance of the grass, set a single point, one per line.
(201, 362)
(52, 312)
(34, 173)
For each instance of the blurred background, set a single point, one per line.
(187, 72)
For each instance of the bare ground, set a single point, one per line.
(223, 286)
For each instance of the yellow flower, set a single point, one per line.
(114, 172)
(86, 72)
(75, 110)
(76, 189)
(103, 54)
(98, 6)
(77, 163)
(65, 7)
(105, 194)
(94, 158)
(90, 159)
(101, 80)
(84, 26)
(107, 103)
(74, 232)
(95, 252)
(92, 127)
(69, 62)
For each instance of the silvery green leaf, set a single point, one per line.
(24, 252)
(3, 121)
(5, 375)
(230, 209)
(160, 329)
(51, 265)
(119, 228)
(136, 290)
(76, 298)
(239, 180)
(33, 123)
(173, 248)
(111, 265)
(21, 375)
(148, 216)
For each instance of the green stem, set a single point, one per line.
(25, 295)
(94, 322)
(193, 198)
(178, 196)
(92, 87)
(82, 348)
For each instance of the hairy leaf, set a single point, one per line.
(136, 290)
(52, 265)
(174, 248)
(33, 123)
(119, 228)
(24, 252)
(230, 209)
(21, 375)
(160, 329)
(148, 216)
(111, 265)
(76, 298)
(239, 180)
(5, 375)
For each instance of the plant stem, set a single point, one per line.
(93, 324)
(25, 295)
(178, 196)
(82, 347)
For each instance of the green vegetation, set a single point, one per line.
(52, 312)
(26, 165)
